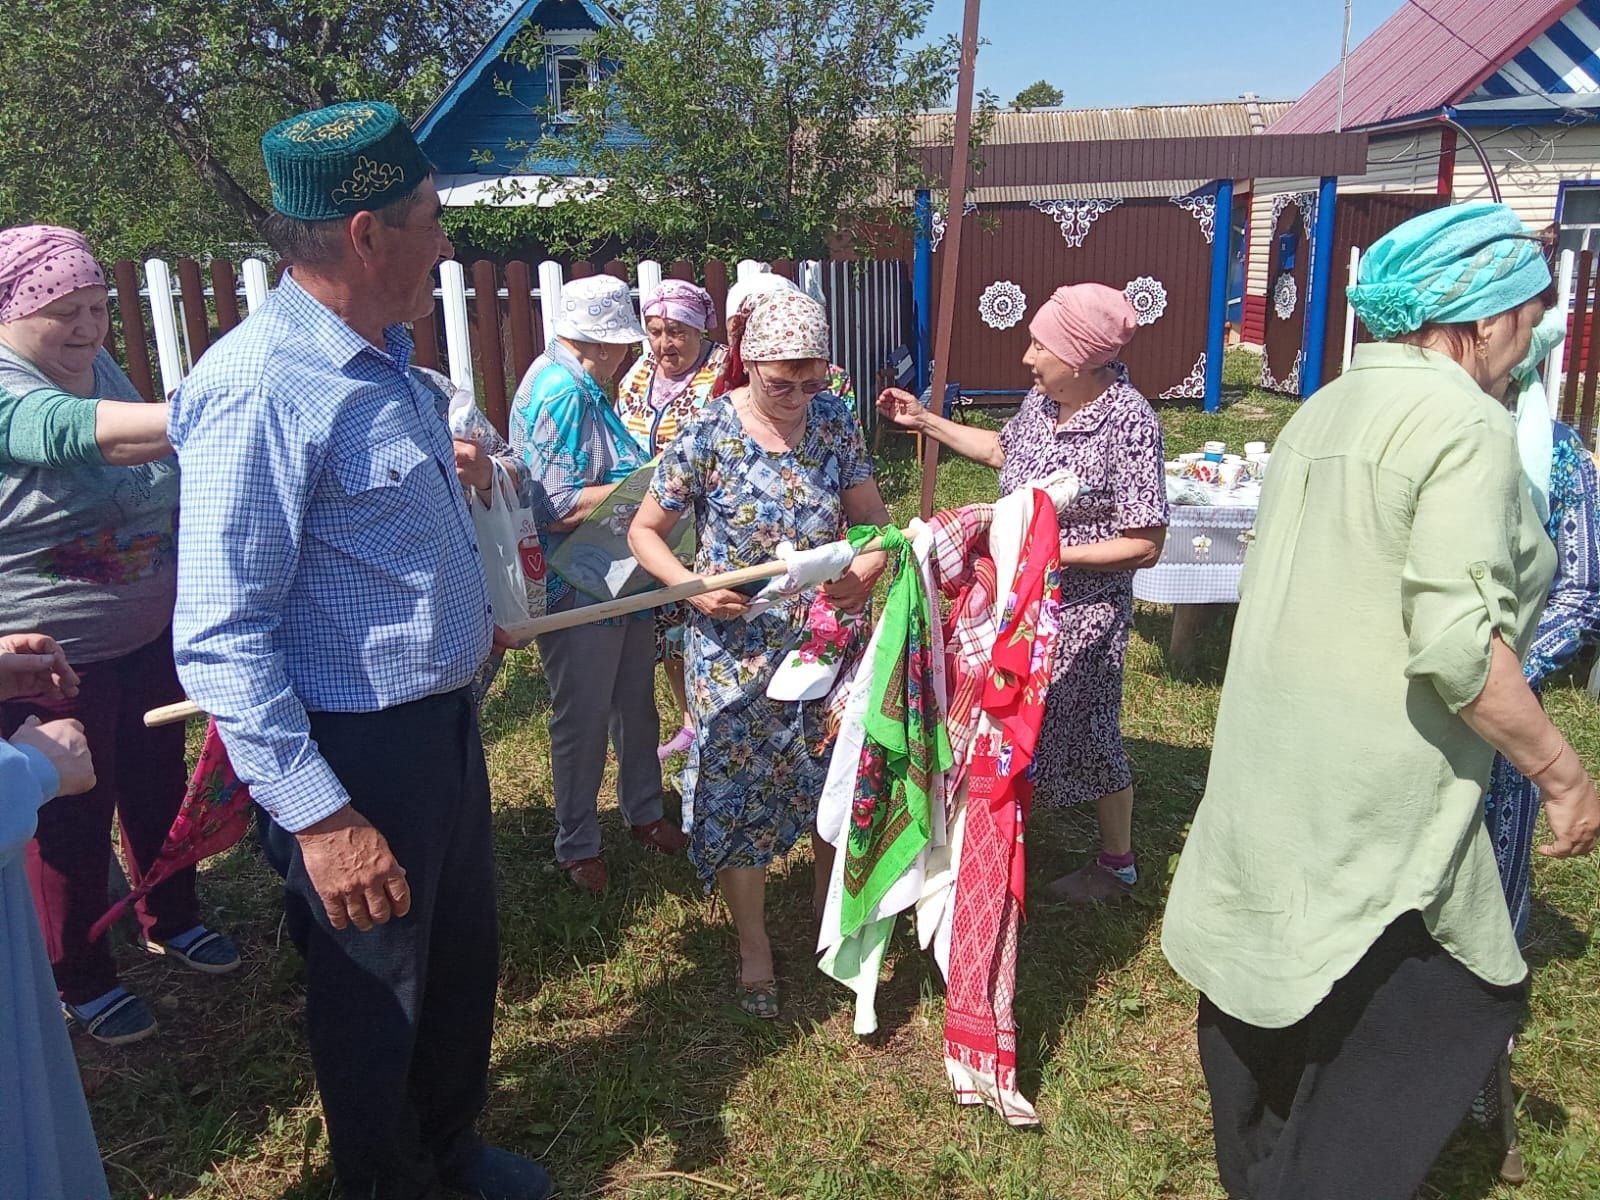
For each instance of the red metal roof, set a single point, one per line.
(1431, 53)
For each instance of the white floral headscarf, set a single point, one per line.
(784, 326)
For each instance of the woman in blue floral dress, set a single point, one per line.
(1571, 619)
(778, 459)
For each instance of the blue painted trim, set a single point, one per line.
(1498, 85)
(1321, 286)
(1515, 118)
(1217, 309)
(1586, 58)
(922, 289)
(1541, 72)
(1561, 193)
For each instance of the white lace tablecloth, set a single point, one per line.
(1203, 556)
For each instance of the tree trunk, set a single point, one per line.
(230, 190)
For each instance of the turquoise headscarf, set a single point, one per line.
(1535, 427)
(1460, 263)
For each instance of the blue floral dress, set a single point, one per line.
(757, 769)
(1571, 618)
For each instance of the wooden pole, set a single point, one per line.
(954, 208)
(169, 714)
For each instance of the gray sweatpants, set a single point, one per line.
(602, 680)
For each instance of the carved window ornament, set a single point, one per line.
(1002, 304)
(1075, 217)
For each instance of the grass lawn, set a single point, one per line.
(621, 1063)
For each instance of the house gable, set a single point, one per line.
(1564, 60)
(501, 108)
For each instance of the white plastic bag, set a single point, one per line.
(513, 562)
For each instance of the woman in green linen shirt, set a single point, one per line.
(1337, 904)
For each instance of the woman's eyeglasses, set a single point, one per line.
(780, 389)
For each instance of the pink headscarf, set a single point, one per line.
(1085, 325)
(41, 263)
(679, 300)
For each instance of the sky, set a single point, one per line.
(1105, 53)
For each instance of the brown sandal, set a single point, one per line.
(660, 835)
(587, 874)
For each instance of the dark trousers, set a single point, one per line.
(400, 1017)
(1356, 1101)
(140, 779)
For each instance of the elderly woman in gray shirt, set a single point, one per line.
(88, 505)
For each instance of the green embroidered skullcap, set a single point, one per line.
(343, 159)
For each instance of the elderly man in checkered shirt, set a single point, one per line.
(331, 614)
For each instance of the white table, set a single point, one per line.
(1200, 566)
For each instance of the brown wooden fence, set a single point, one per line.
(506, 323)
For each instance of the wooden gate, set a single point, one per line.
(1289, 272)
(1013, 256)
(1361, 219)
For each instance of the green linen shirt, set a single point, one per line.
(1394, 536)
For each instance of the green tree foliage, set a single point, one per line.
(751, 128)
(139, 121)
(1038, 95)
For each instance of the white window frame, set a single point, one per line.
(1590, 230)
(565, 46)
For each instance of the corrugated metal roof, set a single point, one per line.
(1431, 53)
(1222, 119)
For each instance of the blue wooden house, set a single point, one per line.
(489, 133)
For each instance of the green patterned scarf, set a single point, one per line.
(906, 746)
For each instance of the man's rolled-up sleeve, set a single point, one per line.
(1458, 584)
(247, 472)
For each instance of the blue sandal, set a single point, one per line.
(208, 952)
(125, 1019)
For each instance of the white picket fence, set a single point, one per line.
(866, 305)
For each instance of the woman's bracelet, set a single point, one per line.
(1534, 775)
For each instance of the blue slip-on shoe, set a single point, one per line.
(118, 1021)
(496, 1174)
(201, 949)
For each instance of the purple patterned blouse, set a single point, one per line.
(1113, 445)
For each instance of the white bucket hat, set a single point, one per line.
(597, 309)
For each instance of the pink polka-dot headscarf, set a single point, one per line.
(41, 263)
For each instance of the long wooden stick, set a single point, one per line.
(184, 710)
(955, 208)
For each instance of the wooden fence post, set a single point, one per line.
(549, 297)
(196, 323)
(225, 288)
(164, 323)
(716, 274)
(649, 285)
(519, 316)
(457, 341)
(491, 350)
(136, 350)
(255, 283)
(1555, 361)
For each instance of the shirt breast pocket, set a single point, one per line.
(379, 502)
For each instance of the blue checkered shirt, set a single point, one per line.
(326, 556)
